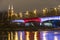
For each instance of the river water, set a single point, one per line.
(34, 35)
(30, 35)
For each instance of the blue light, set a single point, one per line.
(23, 35)
(50, 35)
(17, 20)
(50, 18)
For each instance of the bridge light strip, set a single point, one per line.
(50, 18)
(17, 20)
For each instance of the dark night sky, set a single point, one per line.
(23, 5)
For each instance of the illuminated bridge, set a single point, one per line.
(38, 23)
(44, 28)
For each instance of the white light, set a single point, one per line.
(44, 35)
(18, 21)
(48, 24)
(55, 32)
(55, 38)
(20, 35)
(50, 18)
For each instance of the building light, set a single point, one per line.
(35, 11)
(20, 14)
(27, 12)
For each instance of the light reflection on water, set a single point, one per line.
(34, 35)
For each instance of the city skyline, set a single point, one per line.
(24, 5)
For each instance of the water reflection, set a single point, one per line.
(34, 35)
(50, 35)
(27, 35)
(8, 35)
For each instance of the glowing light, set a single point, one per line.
(44, 35)
(27, 12)
(16, 35)
(20, 14)
(55, 9)
(59, 6)
(50, 18)
(12, 11)
(55, 32)
(11, 35)
(35, 11)
(9, 11)
(20, 35)
(15, 14)
(44, 11)
(35, 36)
(27, 35)
(8, 36)
(55, 38)
(17, 20)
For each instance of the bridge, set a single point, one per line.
(39, 23)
